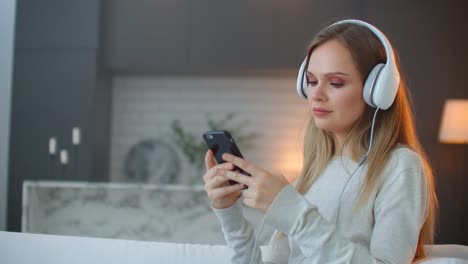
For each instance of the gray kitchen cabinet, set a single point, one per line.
(49, 24)
(296, 22)
(146, 36)
(213, 37)
(57, 85)
(187, 37)
(231, 36)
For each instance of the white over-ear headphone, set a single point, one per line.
(381, 85)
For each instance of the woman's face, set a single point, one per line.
(334, 88)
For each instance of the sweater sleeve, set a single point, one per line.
(240, 237)
(399, 211)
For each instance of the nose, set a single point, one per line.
(316, 93)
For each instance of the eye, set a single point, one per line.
(336, 82)
(337, 85)
(311, 81)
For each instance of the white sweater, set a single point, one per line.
(385, 230)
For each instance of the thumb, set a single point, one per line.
(209, 160)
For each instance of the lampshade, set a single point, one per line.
(454, 126)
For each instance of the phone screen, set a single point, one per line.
(220, 142)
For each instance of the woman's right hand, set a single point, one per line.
(220, 192)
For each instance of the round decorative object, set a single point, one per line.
(152, 161)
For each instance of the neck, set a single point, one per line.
(339, 141)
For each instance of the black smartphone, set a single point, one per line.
(220, 142)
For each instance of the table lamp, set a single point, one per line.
(454, 126)
(454, 130)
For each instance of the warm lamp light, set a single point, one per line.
(454, 126)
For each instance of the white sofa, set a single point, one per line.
(25, 248)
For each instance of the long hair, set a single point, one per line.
(392, 126)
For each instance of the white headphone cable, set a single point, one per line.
(361, 162)
(372, 133)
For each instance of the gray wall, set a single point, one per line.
(7, 25)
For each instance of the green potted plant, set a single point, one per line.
(193, 146)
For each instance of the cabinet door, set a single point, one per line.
(296, 22)
(146, 36)
(51, 24)
(230, 36)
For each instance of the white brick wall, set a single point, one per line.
(144, 107)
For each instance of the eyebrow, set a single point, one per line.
(330, 73)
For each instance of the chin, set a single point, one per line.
(324, 126)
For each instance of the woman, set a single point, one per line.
(366, 190)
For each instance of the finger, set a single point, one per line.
(215, 182)
(217, 170)
(209, 160)
(240, 162)
(223, 191)
(238, 177)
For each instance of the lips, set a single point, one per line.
(319, 109)
(319, 112)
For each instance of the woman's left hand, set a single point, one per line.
(263, 186)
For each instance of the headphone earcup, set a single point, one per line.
(371, 84)
(301, 83)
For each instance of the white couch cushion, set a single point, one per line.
(27, 248)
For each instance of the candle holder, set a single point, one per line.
(64, 163)
(52, 155)
(76, 141)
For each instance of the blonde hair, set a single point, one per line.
(392, 126)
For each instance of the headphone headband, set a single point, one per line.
(379, 34)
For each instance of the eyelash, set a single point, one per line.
(335, 85)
